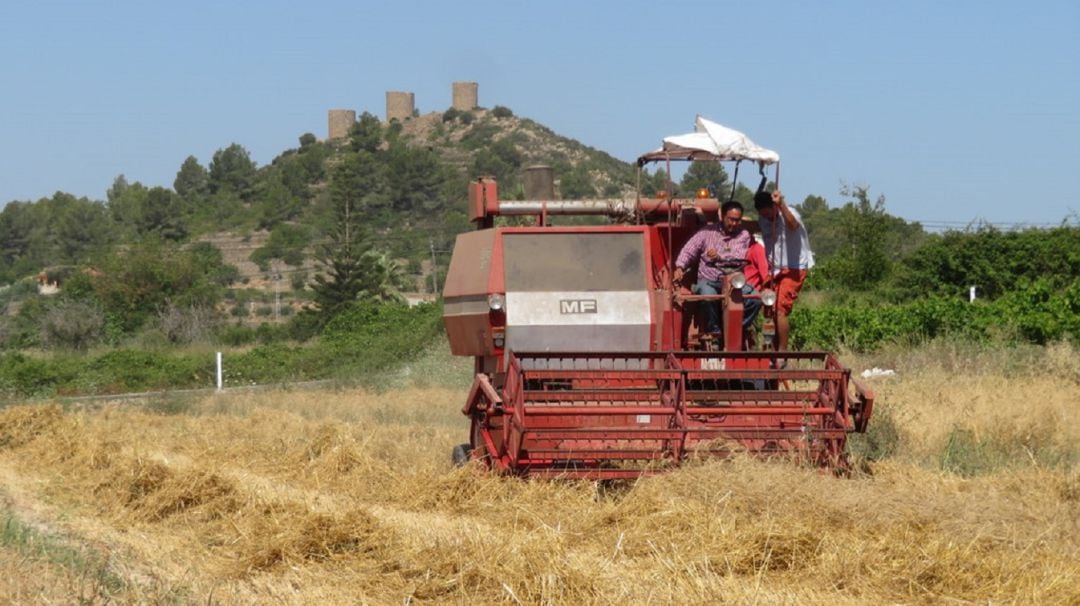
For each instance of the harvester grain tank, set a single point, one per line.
(588, 357)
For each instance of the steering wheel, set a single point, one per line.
(730, 264)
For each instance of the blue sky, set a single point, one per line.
(955, 111)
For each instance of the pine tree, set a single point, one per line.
(352, 269)
(232, 171)
(342, 259)
(192, 180)
(705, 175)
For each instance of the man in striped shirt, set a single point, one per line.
(713, 244)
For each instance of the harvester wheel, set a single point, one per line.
(460, 455)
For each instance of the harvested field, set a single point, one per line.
(348, 497)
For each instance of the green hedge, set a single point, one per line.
(364, 340)
(373, 337)
(1037, 314)
(369, 340)
(119, 371)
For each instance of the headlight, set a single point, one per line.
(768, 297)
(738, 280)
(496, 302)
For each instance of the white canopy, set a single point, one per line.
(712, 141)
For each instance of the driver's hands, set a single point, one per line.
(677, 278)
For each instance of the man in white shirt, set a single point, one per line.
(788, 249)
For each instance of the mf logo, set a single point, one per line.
(577, 306)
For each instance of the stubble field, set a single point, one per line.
(347, 496)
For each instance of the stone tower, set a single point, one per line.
(399, 105)
(341, 120)
(465, 96)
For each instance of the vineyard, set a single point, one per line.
(967, 491)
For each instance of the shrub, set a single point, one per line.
(17, 332)
(20, 290)
(138, 370)
(298, 281)
(361, 342)
(1037, 314)
(138, 282)
(500, 111)
(369, 337)
(187, 324)
(304, 325)
(114, 372)
(72, 324)
(210, 257)
(23, 375)
(8, 331)
(993, 260)
(286, 242)
(483, 136)
(236, 335)
(451, 114)
(269, 363)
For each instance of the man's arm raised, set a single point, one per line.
(789, 219)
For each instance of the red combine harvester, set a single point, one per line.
(589, 360)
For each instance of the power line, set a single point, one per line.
(382, 238)
(938, 226)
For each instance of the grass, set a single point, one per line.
(169, 403)
(346, 495)
(882, 440)
(971, 410)
(84, 563)
(969, 452)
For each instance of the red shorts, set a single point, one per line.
(788, 283)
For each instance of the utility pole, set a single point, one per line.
(277, 297)
(434, 269)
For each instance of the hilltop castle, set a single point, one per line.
(399, 106)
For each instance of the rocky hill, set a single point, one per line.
(523, 142)
(269, 221)
(418, 232)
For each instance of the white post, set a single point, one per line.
(219, 371)
(971, 295)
